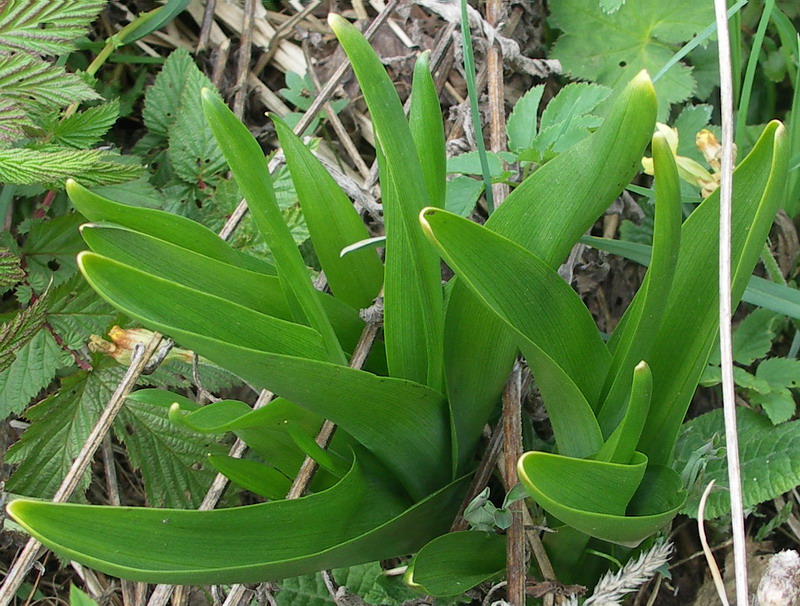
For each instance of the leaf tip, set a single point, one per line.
(337, 22)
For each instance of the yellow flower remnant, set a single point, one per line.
(689, 170)
(123, 341)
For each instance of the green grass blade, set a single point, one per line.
(413, 308)
(171, 228)
(475, 114)
(545, 214)
(258, 478)
(361, 519)
(760, 292)
(333, 224)
(750, 72)
(249, 168)
(427, 129)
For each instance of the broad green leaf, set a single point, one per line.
(425, 121)
(175, 305)
(760, 292)
(779, 404)
(545, 214)
(633, 338)
(689, 324)
(617, 503)
(611, 48)
(455, 562)
(461, 195)
(151, 21)
(255, 290)
(162, 225)
(770, 459)
(53, 166)
(413, 307)
(79, 598)
(258, 478)
(30, 81)
(566, 354)
(333, 224)
(360, 519)
(521, 126)
(752, 339)
(249, 168)
(74, 312)
(57, 240)
(413, 422)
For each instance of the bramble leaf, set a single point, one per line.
(30, 81)
(18, 332)
(84, 129)
(770, 459)
(611, 48)
(10, 270)
(55, 166)
(59, 426)
(34, 367)
(45, 26)
(74, 312)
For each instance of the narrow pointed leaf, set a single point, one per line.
(249, 168)
(634, 337)
(620, 446)
(545, 214)
(413, 305)
(176, 304)
(333, 224)
(425, 120)
(690, 319)
(250, 289)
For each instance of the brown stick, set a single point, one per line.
(516, 567)
(243, 64)
(497, 112)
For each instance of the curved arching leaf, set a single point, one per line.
(361, 519)
(617, 503)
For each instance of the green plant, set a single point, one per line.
(407, 439)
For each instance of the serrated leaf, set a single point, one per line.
(164, 100)
(611, 48)
(74, 311)
(10, 270)
(59, 427)
(778, 404)
(50, 250)
(34, 367)
(573, 101)
(461, 195)
(83, 129)
(193, 151)
(170, 458)
(14, 121)
(45, 26)
(780, 372)
(691, 120)
(770, 459)
(17, 332)
(31, 81)
(522, 123)
(752, 339)
(89, 167)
